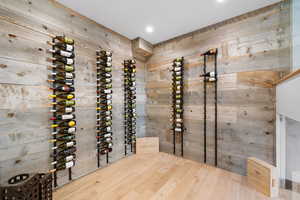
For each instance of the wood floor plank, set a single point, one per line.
(161, 176)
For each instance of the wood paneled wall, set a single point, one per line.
(24, 104)
(254, 51)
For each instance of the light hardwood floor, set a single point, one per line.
(161, 176)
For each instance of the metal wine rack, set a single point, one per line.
(104, 104)
(63, 105)
(177, 100)
(210, 77)
(130, 104)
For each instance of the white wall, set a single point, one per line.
(288, 98)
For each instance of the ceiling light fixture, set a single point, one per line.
(149, 29)
(220, 1)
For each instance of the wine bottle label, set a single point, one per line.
(69, 158)
(71, 130)
(178, 91)
(109, 59)
(69, 75)
(69, 47)
(67, 116)
(107, 135)
(178, 73)
(68, 109)
(71, 123)
(68, 40)
(69, 68)
(178, 129)
(176, 69)
(107, 91)
(69, 164)
(178, 120)
(70, 96)
(70, 103)
(70, 61)
(70, 144)
(66, 54)
(108, 64)
(108, 128)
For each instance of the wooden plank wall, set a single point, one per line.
(254, 52)
(24, 104)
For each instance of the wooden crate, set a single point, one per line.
(263, 177)
(147, 145)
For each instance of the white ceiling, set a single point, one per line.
(170, 18)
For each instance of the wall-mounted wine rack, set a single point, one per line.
(210, 77)
(177, 101)
(63, 104)
(130, 104)
(104, 104)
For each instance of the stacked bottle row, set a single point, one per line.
(63, 103)
(177, 99)
(104, 103)
(130, 103)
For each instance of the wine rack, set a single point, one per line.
(210, 77)
(63, 104)
(130, 104)
(177, 101)
(104, 104)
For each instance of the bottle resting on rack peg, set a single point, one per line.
(68, 96)
(63, 166)
(62, 53)
(65, 39)
(64, 88)
(63, 67)
(63, 75)
(64, 110)
(62, 46)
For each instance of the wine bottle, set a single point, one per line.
(105, 91)
(107, 135)
(178, 129)
(104, 96)
(64, 138)
(65, 152)
(107, 128)
(104, 53)
(64, 110)
(62, 53)
(67, 68)
(105, 58)
(65, 145)
(67, 130)
(64, 159)
(63, 166)
(105, 80)
(62, 46)
(64, 124)
(105, 86)
(178, 60)
(69, 82)
(104, 63)
(67, 96)
(65, 103)
(105, 151)
(104, 112)
(210, 79)
(60, 59)
(104, 69)
(64, 88)
(65, 39)
(107, 139)
(208, 74)
(63, 117)
(105, 74)
(63, 75)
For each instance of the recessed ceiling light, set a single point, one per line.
(220, 1)
(149, 29)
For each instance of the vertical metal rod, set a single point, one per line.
(174, 112)
(125, 111)
(54, 115)
(216, 109)
(70, 174)
(182, 84)
(107, 158)
(204, 85)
